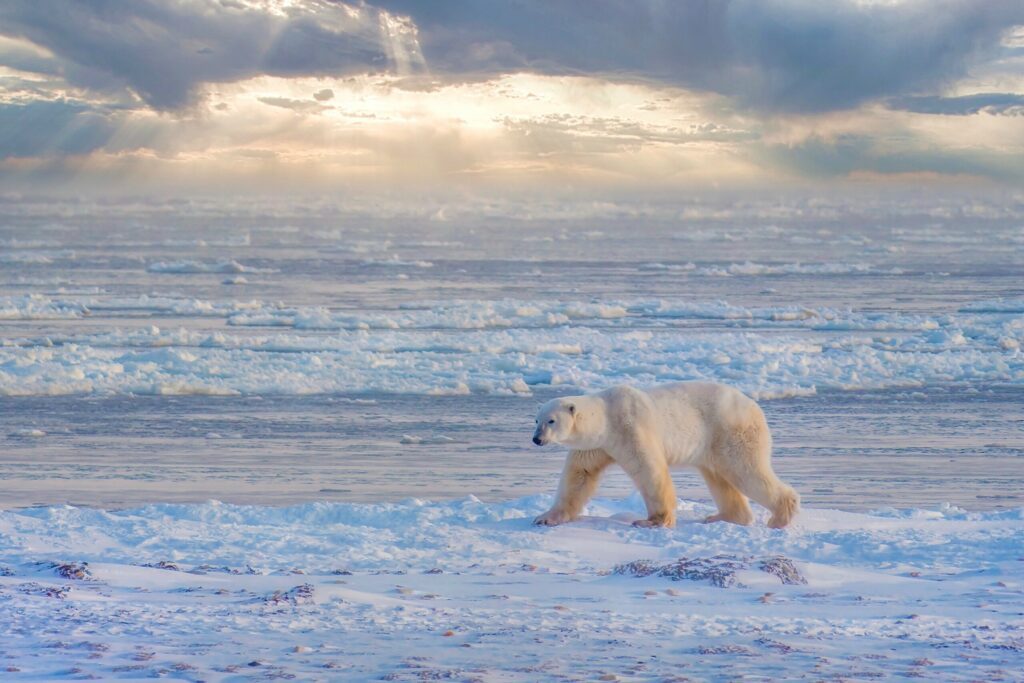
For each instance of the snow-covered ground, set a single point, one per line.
(470, 591)
(314, 363)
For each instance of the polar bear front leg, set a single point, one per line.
(646, 465)
(659, 495)
(579, 481)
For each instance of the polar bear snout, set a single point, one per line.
(546, 432)
(555, 421)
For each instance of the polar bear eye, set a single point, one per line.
(551, 422)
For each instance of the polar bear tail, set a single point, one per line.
(787, 505)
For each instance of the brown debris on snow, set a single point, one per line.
(719, 570)
(76, 571)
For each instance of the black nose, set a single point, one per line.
(536, 440)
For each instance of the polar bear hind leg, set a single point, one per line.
(747, 465)
(786, 506)
(732, 505)
(762, 486)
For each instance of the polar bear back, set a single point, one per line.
(692, 417)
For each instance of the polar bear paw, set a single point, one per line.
(553, 518)
(741, 518)
(656, 521)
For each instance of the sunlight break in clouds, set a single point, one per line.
(311, 94)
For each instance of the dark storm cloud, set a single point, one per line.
(772, 55)
(782, 55)
(162, 50)
(80, 65)
(1008, 104)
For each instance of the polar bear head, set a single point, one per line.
(556, 421)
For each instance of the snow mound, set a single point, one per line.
(40, 307)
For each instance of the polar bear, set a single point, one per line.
(711, 427)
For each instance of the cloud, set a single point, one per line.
(775, 55)
(1008, 104)
(164, 50)
(301, 106)
(43, 129)
(771, 55)
(615, 91)
(587, 134)
(767, 55)
(848, 155)
(22, 55)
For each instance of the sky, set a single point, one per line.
(573, 96)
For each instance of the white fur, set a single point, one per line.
(710, 427)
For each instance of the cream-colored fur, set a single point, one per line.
(710, 427)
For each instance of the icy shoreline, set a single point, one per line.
(504, 347)
(467, 590)
(848, 450)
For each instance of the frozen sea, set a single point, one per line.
(303, 399)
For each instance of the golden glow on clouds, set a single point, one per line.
(177, 93)
(14, 44)
(519, 129)
(10, 90)
(1015, 37)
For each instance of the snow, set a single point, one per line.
(495, 352)
(394, 261)
(469, 590)
(189, 266)
(427, 440)
(996, 306)
(28, 432)
(38, 307)
(508, 313)
(70, 306)
(749, 268)
(498, 345)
